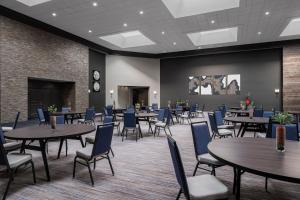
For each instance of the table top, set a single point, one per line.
(255, 120)
(235, 107)
(259, 156)
(238, 111)
(45, 132)
(140, 115)
(66, 113)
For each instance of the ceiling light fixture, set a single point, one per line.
(162, 32)
(90, 31)
(141, 12)
(125, 25)
(174, 43)
(95, 4)
(54, 14)
(259, 33)
(212, 21)
(267, 13)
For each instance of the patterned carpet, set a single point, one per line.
(143, 170)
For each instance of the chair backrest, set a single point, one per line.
(178, 166)
(2, 139)
(131, 110)
(108, 119)
(201, 137)
(268, 114)
(258, 112)
(161, 114)
(60, 119)
(109, 109)
(129, 120)
(223, 110)
(154, 106)
(193, 108)
(41, 115)
(103, 139)
(65, 109)
(168, 116)
(16, 120)
(89, 114)
(3, 153)
(212, 122)
(219, 118)
(203, 107)
(291, 131)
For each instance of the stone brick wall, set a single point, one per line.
(291, 78)
(30, 52)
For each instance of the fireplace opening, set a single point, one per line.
(43, 93)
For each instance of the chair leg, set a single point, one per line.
(112, 153)
(169, 130)
(111, 167)
(8, 184)
(74, 166)
(66, 147)
(196, 168)
(266, 184)
(91, 176)
(213, 171)
(94, 163)
(33, 172)
(179, 193)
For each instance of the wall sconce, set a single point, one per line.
(155, 93)
(89, 91)
(276, 90)
(111, 93)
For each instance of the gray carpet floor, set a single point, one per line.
(143, 170)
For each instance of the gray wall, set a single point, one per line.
(260, 75)
(97, 62)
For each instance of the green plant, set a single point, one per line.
(52, 109)
(283, 118)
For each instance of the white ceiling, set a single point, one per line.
(80, 16)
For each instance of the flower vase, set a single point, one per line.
(280, 138)
(53, 122)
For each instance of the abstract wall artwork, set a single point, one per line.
(215, 85)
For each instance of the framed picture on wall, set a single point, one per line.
(96, 86)
(96, 75)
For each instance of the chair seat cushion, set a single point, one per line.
(261, 135)
(224, 132)
(85, 153)
(81, 120)
(98, 114)
(208, 159)
(160, 124)
(184, 116)
(12, 145)
(226, 126)
(90, 139)
(16, 160)
(6, 128)
(206, 187)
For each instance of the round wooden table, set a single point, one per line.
(43, 133)
(72, 114)
(249, 124)
(239, 112)
(258, 156)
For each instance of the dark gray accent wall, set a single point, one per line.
(97, 62)
(260, 74)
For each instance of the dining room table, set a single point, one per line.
(69, 115)
(256, 124)
(258, 156)
(43, 133)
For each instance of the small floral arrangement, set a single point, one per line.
(283, 118)
(248, 103)
(52, 109)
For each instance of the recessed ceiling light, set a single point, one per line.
(199, 47)
(162, 32)
(54, 14)
(128, 39)
(141, 12)
(293, 28)
(217, 36)
(125, 25)
(174, 43)
(267, 13)
(212, 21)
(32, 2)
(90, 31)
(259, 33)
(184, 8)
(95, 4)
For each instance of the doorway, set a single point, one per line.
(132, 95)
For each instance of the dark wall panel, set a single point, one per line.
(97, 62)
(260, 75)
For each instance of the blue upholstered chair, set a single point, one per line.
(163, 121)
(100, 150)
(193, 110)
(10, 128)
(12, 162)
(201, 112)
(201, 138)
(185, 115)
(130, 125)
(154, 107)
(109, 109)
(221, 133)
(223, 110)
(258, 112)
(266, 114)
(89, 117)
(65, 109)
(195, 187)
(130, 110)
(220, 121)
(9, 145)
(41, 116)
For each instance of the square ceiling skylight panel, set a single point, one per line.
(183, 8)
(128, 39)
(293, 28)
(218, 36)
(33, 2)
